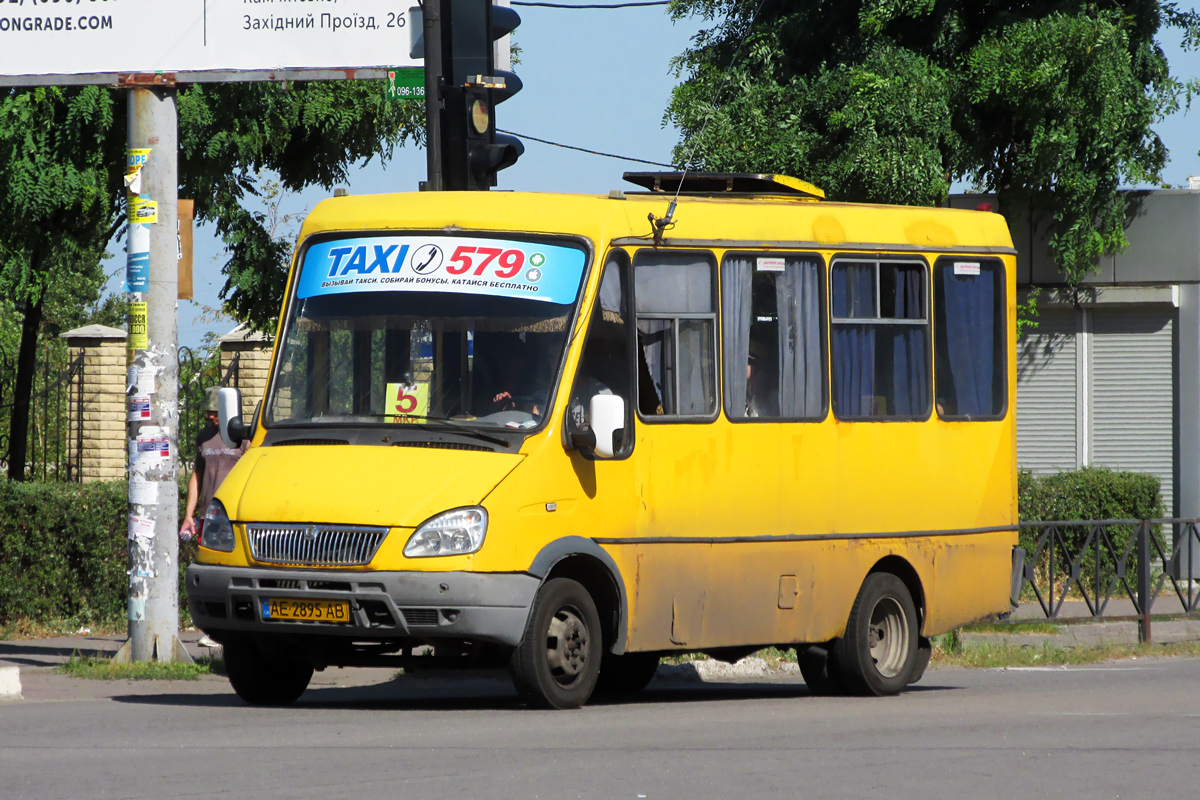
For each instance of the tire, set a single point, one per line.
(260, 680)
(557, 663)
(878, 654)
(820, 669)
(621, 676)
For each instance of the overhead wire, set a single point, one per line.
(584, 149)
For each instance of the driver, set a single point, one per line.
(518, 382)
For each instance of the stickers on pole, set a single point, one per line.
(137, 260)
(143, 210)
(151, 447)
(135, 159)
(139, 408)
(138, 332)
(141, 491)
(140, 527)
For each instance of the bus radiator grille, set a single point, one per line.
(314, 545)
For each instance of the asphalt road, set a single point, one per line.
(1126, 729)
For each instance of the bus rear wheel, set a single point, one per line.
(265, 679)
(557, 663)
(878, 654)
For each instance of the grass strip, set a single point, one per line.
(1049, 628)
(105, 669)
(1000, 654)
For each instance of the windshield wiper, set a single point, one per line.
(450, 425)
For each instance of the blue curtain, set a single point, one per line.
(910, 372)
(854, 370)
(854, 345)
(969, 309)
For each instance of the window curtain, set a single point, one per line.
(854, 345)
(652, 334)
(797, 297)
(969, 309)
(696, 367)
(910, 372)
(736, 277)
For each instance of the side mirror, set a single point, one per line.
(607, 414)
(229, 417)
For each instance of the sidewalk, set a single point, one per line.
(37, 659)
(1077, 627)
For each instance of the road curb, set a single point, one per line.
(10, 683)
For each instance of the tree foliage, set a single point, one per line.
(62, 198)
(233, 137)
(1049, 105)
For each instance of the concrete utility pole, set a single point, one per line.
(153, 255)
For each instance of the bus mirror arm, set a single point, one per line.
(229, 417)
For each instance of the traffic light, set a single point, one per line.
(473, 151)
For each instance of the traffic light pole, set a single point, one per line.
(432, 22)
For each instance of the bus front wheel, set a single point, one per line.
(265, 679)
(557, 663)
(878, 654)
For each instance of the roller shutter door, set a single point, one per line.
(1046, 394)
(1132, 393)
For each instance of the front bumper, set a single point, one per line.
(486, 607)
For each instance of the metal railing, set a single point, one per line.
(1100, 558)
(54, 439)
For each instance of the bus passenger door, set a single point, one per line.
(676, 479)
(607, 367)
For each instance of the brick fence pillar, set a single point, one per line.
(105, 407)
(253, 352)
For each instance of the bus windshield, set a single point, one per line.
(408, 329)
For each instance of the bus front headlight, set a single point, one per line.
(218, 530)
(451, 533)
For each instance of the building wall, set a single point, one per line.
(1097, 386)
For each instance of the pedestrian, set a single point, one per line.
(213, 462)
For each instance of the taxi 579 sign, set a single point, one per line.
(106, 37)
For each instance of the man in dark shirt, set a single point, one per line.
(213, 462)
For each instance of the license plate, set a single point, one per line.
(309, 610)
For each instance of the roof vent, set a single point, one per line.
(723, 183)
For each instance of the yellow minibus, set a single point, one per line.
(574, 434)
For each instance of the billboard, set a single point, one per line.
(96, 38)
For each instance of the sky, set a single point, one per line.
(597, 79)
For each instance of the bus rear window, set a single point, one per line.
(969, 357)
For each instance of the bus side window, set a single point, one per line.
(772, 315)
(969, 343)
(880, 333)
(604, 367)
(676, 331)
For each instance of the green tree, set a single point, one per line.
(57, 212)
(62, 155)
(1049, 105)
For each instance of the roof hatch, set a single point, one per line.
(719, 183)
